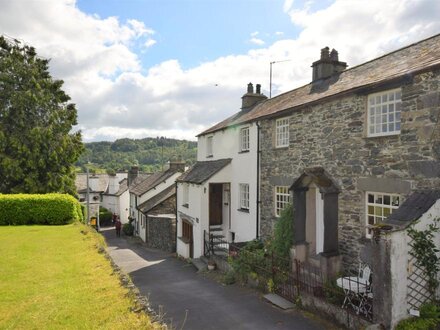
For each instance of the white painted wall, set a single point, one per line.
(399, 264)
(140, 229)
(242, 169)
(124, 206)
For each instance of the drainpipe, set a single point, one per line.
(258, 181)
(176, 216)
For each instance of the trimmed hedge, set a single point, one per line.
(45, 209)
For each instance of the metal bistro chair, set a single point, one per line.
(357, 290)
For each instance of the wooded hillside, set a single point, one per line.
(148, 154)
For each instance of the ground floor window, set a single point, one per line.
(282, 199)
(379, 207)
(244, 196)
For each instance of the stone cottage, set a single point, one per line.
(351, 146)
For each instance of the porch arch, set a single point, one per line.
(319, 178)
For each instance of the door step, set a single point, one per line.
(199, 264)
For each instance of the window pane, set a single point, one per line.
(370, 209)
(370, 198)
(378, 211)
(386, 212)
(391, 117)
(397, 126)
(371, 220)
(378, 199)
(391, 127)
(386, 200)
(384, 98)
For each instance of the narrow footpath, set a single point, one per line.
(196, 301)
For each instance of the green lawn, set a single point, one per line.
(52, 277)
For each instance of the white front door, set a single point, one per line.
(319, 222)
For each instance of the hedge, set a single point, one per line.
(46, 209)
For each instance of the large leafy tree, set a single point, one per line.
(37, 145)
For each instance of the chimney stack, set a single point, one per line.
(177, 165)
(250, 99)
(132, 174)
(327, 65)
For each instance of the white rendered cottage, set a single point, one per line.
(143, 188)
(218, 194)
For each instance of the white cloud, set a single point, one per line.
(256, 41)
(279, 33)
(254, 34)
(149, 43)
(116, 97)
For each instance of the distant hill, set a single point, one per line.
(148, 154)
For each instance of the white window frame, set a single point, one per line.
(244, 196)
(282, 132)
(383, 113)
(282, 199)
(244, 139)
(372, 214)
(209, 143)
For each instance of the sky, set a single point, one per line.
(148, 68)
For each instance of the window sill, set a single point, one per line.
(282, 147)
(185, 205)
(243, 151)
(383, 135)
(210, 156)
(184, 239)
(243, 210)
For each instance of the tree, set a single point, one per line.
(37, 146)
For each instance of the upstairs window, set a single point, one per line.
(282, 133)
(244, 139)
(379, 207)
(282, 199)
(185, 195)
(209, 146)
(384, 113)
(244, 196)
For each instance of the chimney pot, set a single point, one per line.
(250, 99)
(250, 88)
(325, 53)
(327, 65)
(334, 55)
(258, 91)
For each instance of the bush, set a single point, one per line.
(429, 319)
(46, 209)
(251, 258)
(282, 240)
(128, 229)
(105, 217)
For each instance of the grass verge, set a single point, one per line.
(52, 277)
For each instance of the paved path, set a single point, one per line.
(176, 286)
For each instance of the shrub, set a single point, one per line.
(105, 216)
(282, 240)
(429, 319)
(250, 259)
(45, 209)
(128, 229)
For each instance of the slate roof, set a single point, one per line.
(149, 204)
(202, 171)
(413, 208)
(141, 185)
(406, 61)
(81, 182)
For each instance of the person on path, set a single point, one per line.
(118, 226)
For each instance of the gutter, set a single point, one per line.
(258, 182)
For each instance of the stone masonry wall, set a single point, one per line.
(161, 232)
(333, 135)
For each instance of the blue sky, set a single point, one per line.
(199, 31)
(176, 67)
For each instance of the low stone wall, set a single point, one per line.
(333, 312)
(161, 232)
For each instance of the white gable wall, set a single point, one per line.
(242, 169)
